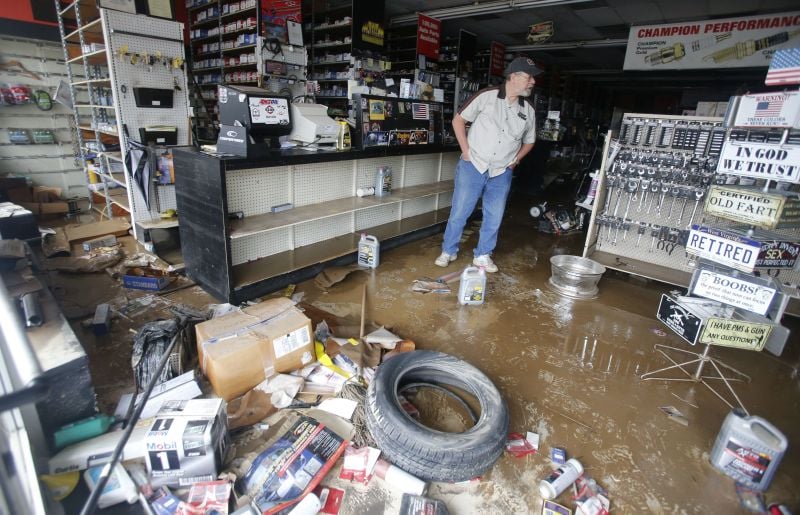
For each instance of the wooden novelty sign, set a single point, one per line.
(735, 333)
(735, 291)
(753, 207)
(760, 161)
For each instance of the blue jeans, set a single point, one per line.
(470, 185)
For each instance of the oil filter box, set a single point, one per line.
(186, 442)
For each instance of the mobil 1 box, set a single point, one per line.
(751, 206)
(186, 442)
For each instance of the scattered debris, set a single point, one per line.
(558, 455)
(84, 264)
(415, 504)
(334, 275)
(674, 414)
(518, 445)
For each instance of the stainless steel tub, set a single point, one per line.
(575, 276)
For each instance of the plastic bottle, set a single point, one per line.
(369, 251)
(119, 487)
(558, 481)
(383, 181)
(365, 192)
(399, 479)
(748, 449)
(343, 139)
(472, 289)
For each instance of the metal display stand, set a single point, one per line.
(114, 53)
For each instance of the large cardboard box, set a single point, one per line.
(187, 442)
(239, 350)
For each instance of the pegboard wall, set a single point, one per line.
(254, 191)
(137, 34)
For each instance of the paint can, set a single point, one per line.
(552, 486)
(472, 289)
(748, 449)
(369, 251)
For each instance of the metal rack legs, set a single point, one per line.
(701, 359)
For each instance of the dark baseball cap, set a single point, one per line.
(523, 64)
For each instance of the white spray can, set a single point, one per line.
(399, 478)
(472, 289)
(369, 251)
(558, 481)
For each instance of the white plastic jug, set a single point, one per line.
(473, 286)
(369, 251)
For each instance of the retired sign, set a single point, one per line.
(760, 161)
(779, 109)
(734, 291)
(682, 321)
(725, 248)
(753, 207)
(735, 333)
(778, 254)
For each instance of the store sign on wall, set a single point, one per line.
(429, 35)
(725, 248)
(735, 333)
(682, 321)
(753, 207)
(723, 43)
(497, 59)
(779, 109)
(760, 161)
(778, 254)
(734, 291)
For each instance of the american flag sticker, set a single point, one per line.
(769, 107)
(784, 67)
(420, 111)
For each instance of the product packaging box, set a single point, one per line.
(239, 350)
(145, 278)
(186, 442)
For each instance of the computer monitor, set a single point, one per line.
(312, 125)
(251, 118)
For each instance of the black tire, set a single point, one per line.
(424, 452)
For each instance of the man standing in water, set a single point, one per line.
(503, 131)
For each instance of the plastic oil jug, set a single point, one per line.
(369, 250)
(343, 140)
(383, 181)
(473, 286)
(748, 449)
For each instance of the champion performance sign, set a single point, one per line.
(725, 248)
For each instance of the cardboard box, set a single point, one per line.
(239, 350)
(145, 278)
(186, 442)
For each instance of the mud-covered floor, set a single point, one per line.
(569, 371)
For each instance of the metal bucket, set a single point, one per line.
(575, 276)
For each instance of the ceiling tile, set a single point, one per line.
(637, 13)
(598, 16)
(731, 7)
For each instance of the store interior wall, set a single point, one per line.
(51, 164)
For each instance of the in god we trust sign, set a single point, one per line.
(760, 161)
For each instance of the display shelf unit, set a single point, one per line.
(258, 251)
(105, 68)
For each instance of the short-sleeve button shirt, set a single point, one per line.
(498, 129)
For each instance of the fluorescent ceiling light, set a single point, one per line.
(474, 9)
(597, 43)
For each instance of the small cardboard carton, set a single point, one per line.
(239, 350)
(186, 442)
(145, 278)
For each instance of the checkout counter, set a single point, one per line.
(253, 224)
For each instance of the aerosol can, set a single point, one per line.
(369, 251)
(473, 286)
(748, 449)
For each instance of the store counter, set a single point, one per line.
(251, 226)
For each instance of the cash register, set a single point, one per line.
(251, 120)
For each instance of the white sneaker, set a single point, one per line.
(486, 262)
(445, 259)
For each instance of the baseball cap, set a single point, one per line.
(523, 64)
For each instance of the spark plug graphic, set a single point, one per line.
(666, 54)
(709, 41)
(747, 48)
